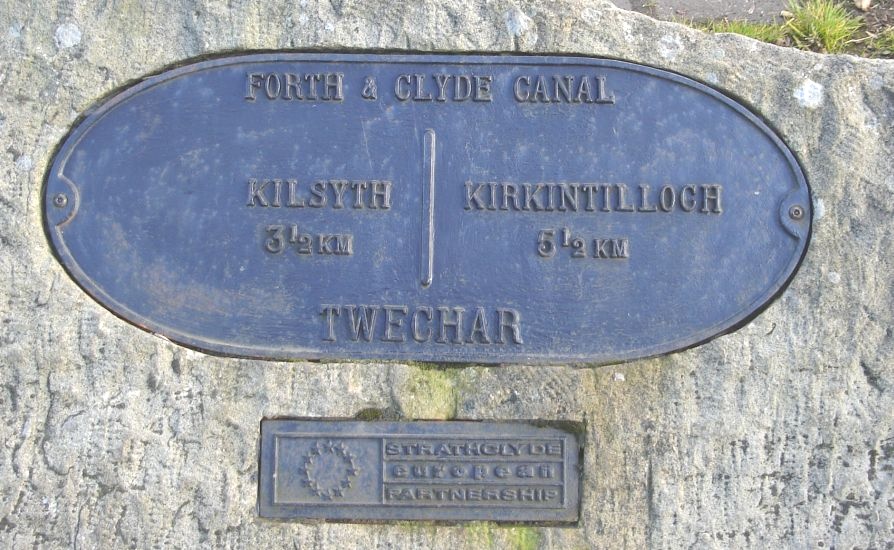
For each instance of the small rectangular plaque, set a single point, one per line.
(352, 470)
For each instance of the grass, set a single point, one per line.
(882, 44)
(815, 25)
(765, 32)
(821, 25)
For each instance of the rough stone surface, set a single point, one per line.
(778, 435)
(706, 10)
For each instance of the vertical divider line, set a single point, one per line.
(428, 208)
(382, 457)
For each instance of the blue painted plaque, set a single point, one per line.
(427, 207)
(418, 470)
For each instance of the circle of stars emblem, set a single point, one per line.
(328, 469)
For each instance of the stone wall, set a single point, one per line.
(780, 434)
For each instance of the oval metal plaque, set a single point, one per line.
(428, 207)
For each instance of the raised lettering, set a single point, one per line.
(418, 335)
(256, 192)
(445, 323)
(711, 199)
(521, 88)
(331, 312)
(362, 321)
(393, 321)
(332, 86)
(479, 328)
(253, 83)
(402, 87)
(473, 198)
(510, 320)
(482, 88)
